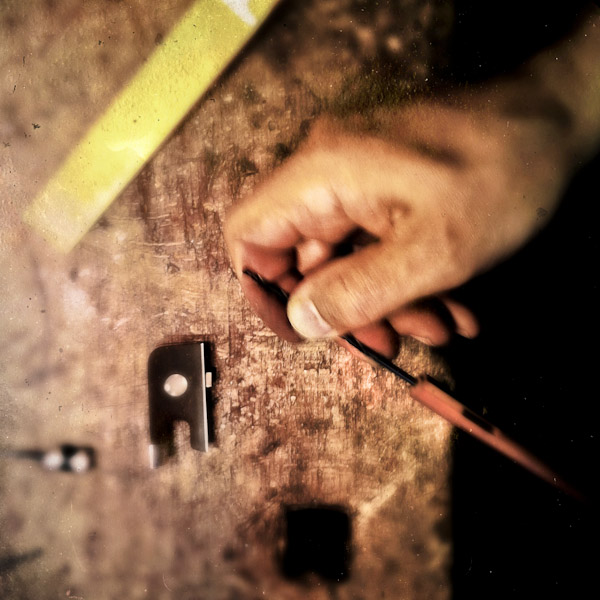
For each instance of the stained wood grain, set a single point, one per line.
(295, 425)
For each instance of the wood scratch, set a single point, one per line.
(79, 561)
(371, 507)
(160, 314)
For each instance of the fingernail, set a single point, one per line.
(306, 320)
(468, 334)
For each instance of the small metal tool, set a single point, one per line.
(179, 380)
(67, 457)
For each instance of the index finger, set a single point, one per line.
(298, 202)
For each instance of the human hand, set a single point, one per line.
(438, 190)
(443, 191)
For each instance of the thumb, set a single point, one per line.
(356, 290)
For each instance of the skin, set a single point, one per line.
(431, 193)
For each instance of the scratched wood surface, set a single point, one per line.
(295, 425)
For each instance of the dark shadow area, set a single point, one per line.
(12, 561)
(532, 372)
(490, 39)
(317, 540)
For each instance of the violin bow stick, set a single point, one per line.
(425, 391)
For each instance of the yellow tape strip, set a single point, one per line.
(146, 111)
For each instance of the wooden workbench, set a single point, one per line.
(304, 425)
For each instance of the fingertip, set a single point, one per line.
(306, 319)
(466, 323)
(271, 263)
(312, 253)
(422, 324)
(429, 338)
(269, 309)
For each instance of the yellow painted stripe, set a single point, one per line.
(146, 111)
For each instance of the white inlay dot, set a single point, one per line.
(175, 385)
